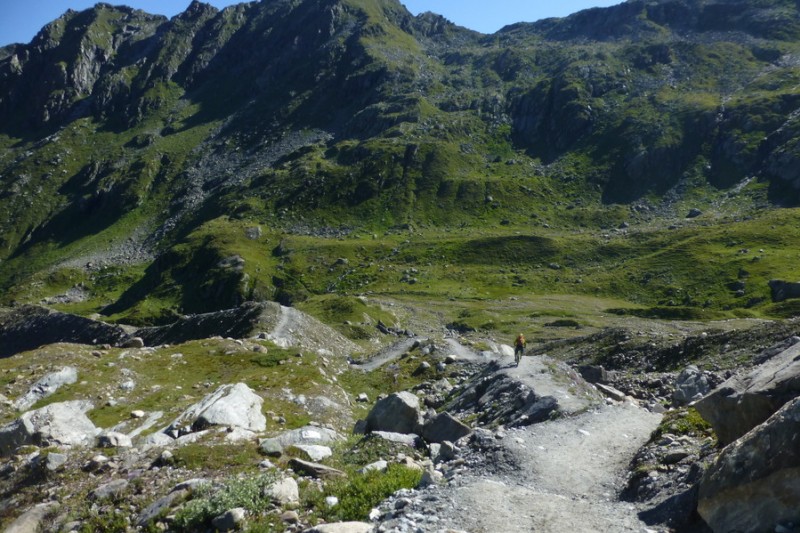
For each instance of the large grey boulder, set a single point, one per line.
(754, 485)
(691, 385)
(58, 424)
(308, 435)
(444, 427)
(284, 491)
(743, 402)
(46, 386)
(397, 413)
(230, 405)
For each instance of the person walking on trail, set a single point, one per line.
(519, 348)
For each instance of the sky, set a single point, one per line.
(20, 20)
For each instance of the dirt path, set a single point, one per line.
(567, 477)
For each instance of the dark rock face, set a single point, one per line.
(754, 484)
(236, 323)
(444, 427)
(29, 327)
(784, 290)
(397, 413)
(743, 402)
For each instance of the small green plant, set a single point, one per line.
(359, 493)
(210, 501)
(685, 421)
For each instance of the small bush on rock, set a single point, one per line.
(210, 501)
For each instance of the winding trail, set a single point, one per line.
(569, 474)
(557, 476)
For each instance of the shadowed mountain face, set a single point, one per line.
(321, 113)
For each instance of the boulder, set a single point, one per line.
(314, 452)
(744, 401)
(284, 491)
(46, 386)
(230, 405)
(444, 427)
(230, 520)
(397, 413)
(306, 435)
(58, 424)
(754, 484)
(110, 490)
(593, 373)
(32, 520)
(784, 290)
(691, 385)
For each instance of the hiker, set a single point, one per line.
(519, 348)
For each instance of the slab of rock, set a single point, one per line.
(46, 386)
(305, 435)
(397, 413)
(754, 485)
(611, 392)
(64, 424)
(284, 491)
(314, 469)
(314, 452)
(444, 427)
(160, 506)
(406, 439)
(230, 405)
(341, 527)
(593, 373)
(112, 489)
(32, 520)
(743, 402)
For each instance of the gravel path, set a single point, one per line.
(562, 475)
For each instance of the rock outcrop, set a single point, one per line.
(46, 386)
(743, 402)
(397, 413)
(784, 290)
(58, 424)
(283, 325)
(30, 326)
(754, 485)
(230, 405)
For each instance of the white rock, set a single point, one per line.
(230, 405)
(315, 452)
(46, 386)
(64, 424)
(284, 491)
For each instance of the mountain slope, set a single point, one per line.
(125, 137)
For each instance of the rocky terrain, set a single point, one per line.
(277, 431)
